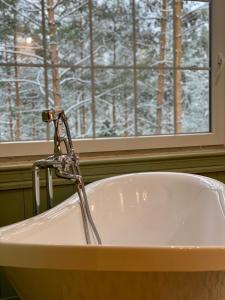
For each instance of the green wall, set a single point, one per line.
(16, 182)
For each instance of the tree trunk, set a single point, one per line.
(54, 55)
(17, 100)
(161, 78)
(125, 114)
(9, 100)
(178, 74)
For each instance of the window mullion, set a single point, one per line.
(134, 68)
(44, 42)
(93, 89)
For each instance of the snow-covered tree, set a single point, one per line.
(117, 67)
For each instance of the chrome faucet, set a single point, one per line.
(65, 163)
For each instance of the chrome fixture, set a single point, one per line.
(65, 163)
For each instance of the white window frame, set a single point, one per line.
(215, 137)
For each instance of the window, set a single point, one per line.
(123, 71)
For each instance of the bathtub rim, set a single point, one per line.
(114, 258)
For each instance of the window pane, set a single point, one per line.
(77, 100)
(20, 32)
(114, 103)
(112, 32)
(195, 104)
(155, 104)
(154, 26)
(21, 101)
(68, 32)
(195, 33)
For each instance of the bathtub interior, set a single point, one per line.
(152, 209)
(160, 209)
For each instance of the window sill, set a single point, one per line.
(16, 173)
(104, 157)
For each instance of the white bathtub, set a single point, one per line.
(163, 238)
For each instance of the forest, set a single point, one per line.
(118, 68)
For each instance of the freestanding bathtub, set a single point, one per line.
(163, 238)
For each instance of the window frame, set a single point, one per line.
(214, 138)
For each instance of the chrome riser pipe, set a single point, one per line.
(36, 189)
(49, 184)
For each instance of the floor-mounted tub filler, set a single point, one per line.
(143, 236)
(163, 237)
